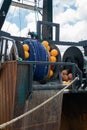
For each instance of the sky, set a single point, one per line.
(70, 14)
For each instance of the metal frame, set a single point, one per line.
(40, 25)
(55, 85)
(60, 64)
(25, 6)
(3, 48)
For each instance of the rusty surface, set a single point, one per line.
(74, 111)
(7, 91)
(14, 85)
(46, 118)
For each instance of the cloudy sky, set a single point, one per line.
(70, 14)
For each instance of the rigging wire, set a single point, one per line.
(20, 21)
(36, 5)
(11, 19)
(36, 13)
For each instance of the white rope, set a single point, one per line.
(37, 107)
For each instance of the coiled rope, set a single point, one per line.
(37, 107)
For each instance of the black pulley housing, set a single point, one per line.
(74, 55)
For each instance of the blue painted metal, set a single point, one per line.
(24, 83)
(38, 53)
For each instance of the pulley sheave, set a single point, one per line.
(74, 55)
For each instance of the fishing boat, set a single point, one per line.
(39, 88)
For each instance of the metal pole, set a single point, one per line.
(47, 16)
(3, 11)
(47, 10)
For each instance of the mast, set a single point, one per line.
(47, 10)
(47, 16)
(3, 11)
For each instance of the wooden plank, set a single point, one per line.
(7, 92)
(1, 97)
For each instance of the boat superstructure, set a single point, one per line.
(25, 83)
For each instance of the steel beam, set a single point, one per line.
(25, 6)
(3, 11)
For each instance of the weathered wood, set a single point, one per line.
(14, 85)
(7, 91)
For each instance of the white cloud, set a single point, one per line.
(13, 29)
(71, 15)
(30, 17)
(10, 28)
(73, 21)
(30, 27)
(82, 9)
(74, 32)
(59, 5)
(13, 11)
